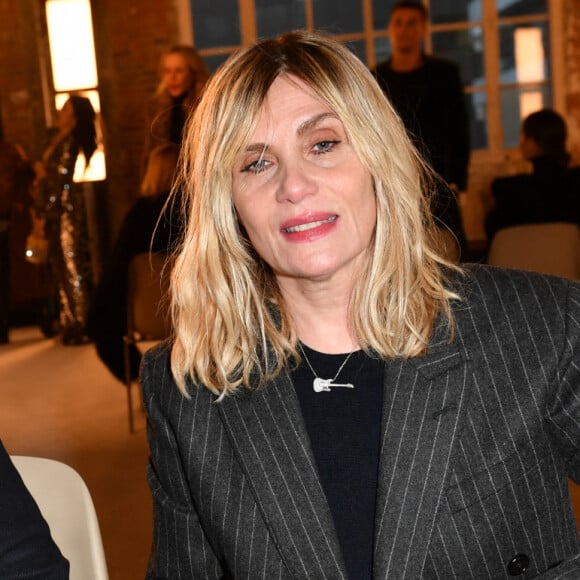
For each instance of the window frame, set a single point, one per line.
(490, 24)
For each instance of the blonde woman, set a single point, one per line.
(182, 76)
(338, 401)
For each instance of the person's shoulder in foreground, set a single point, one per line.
(27, 550)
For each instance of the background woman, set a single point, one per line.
(183, 75)
(150, 225)
(338, 400)
(60, 205)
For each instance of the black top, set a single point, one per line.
(178, 118)
(150, 225)
(431, 104)
(27, 550)
(550, 194)
(344, 427)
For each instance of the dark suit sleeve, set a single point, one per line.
(181, 549)
(564, 409)
(27, 551)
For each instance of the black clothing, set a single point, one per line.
(27, 550)
(178, 116)
(141, 231)
(344, 427)
(431, 103)
(550, 194)
(15, 178)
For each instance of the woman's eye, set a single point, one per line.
(325, 146)
(255, 166)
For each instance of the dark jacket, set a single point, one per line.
(478, 439)
(142, 231)
(550, 194)
(27, 550)
(431, 103)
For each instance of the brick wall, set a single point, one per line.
(129, 37)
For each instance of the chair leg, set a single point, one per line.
(128, 382)
(130, 408)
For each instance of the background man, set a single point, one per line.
(427, 93)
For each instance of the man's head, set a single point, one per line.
(407, 26)
(543, 133)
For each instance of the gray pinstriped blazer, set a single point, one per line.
(478, 439)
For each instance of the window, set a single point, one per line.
(504, 48)
(74, 68)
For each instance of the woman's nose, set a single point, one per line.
(296, 183)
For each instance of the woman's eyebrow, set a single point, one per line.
(256, 147)
(313, 121)
(304, 127)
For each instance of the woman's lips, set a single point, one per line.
(308, 228)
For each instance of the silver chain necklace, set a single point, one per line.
(320, 384)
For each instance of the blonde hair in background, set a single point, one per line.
(197, 67)
(160, 171)
(230, 321)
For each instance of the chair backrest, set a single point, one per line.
(147, 299)
(550, 248)
(66, 505)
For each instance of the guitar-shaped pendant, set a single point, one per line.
(326, 384)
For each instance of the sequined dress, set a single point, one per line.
(62, 204)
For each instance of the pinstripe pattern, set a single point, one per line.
(478, 438)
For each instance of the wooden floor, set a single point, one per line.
(61, 402)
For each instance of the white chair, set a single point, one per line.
(550, 248)
(66, 504)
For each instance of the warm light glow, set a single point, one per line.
(96, 171)
(529, 56)
(61, 98)
(530, 102)
(72, 51)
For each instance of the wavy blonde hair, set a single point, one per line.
(231, 324)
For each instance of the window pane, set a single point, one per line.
(358, 47)
(444, 11)
(381, 11)
(524, 52)
(517, 103)
(336, 17)
(521, 7)
(215, 61)
(273, 18)
(465, 47)
(210, 25)
(477, 109)
(382, 49)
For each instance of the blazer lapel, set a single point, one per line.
(422, 405)
(266, 429)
